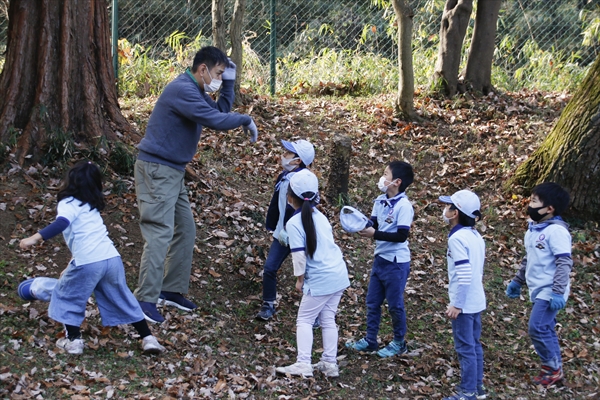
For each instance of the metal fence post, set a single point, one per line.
(115, 40)
(273, 51)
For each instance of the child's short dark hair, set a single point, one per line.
(210, 56)
(402, 170)
(552, 194)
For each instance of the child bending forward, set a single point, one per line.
(321, 276)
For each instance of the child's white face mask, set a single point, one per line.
(285, 163)
(381, 184)
(446, 219)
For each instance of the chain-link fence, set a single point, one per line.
(527, 29)
(301, 26)
(3, 30)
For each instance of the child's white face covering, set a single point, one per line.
(285, 163)
(446, 219)
(381, 184)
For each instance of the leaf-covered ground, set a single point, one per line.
(220, 350)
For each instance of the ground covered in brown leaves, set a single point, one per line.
(220, 350)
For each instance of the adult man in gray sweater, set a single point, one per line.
(170, 142)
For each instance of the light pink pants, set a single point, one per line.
(326, 308)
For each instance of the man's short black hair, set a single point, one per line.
(402, 170)
(552, 194)
(210, 56)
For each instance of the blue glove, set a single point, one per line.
(283, 238)
(251, 128)
(557, 301)
(513, 290)
(229, 73)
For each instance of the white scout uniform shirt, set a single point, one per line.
(466, 255)
(326, 271)
(393, 214)
(86, 236)
(544, 244)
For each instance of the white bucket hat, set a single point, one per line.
(353, 220)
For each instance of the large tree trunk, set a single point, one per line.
(570, 154)
(455, 21)
(478, 74)
(406, 82)
(237, 51)
(219, 29)
(58, 75)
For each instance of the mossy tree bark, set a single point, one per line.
(406, 83)
(58, 76)
(570, 154)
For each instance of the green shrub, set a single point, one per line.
(329, 71)
(122, 159)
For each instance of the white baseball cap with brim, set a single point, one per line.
(304, 184)
(353, 220)
(303, 148)
(465, 200)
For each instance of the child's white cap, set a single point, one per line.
(353, 220)
(465, 200)
(303, 148)
(304, 184)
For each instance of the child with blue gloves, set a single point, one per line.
(545, 269)
(466, 257)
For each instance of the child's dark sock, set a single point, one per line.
(73, 332)
(142, 328)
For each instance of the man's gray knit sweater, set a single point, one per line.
(176, 122)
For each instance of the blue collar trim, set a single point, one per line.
(455, 229)
(390, 202)
(299, 210)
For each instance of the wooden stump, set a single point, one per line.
(339, 170)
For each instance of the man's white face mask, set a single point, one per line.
(214, 85)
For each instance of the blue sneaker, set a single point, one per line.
(392, 349)
(462, 396)
(362, 345)
(481, 392)
(151, 313)
(176, 300)
(266, 312)
(24, 290)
